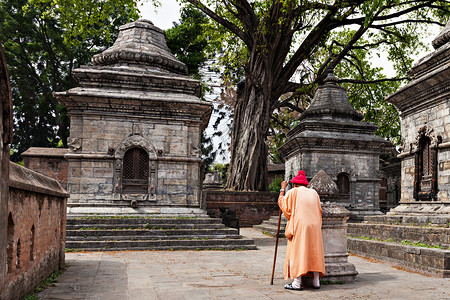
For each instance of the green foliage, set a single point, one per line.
(43, 41)
(208, 153)
(275, 185)
(188, 39)
(222, 169)
(420, 244)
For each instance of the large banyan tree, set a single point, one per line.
(276, 39)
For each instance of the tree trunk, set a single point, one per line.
(248, 165)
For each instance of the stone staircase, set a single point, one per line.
(270, 226)
(412, 242)
(118, 233)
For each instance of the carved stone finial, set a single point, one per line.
(330, 79)
(323, 184)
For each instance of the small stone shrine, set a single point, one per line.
(136, 122)
(332, 137)
(334, 230)
(424, 105)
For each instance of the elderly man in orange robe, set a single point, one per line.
(304, 255)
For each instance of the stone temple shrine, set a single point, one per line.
(136, 123)
(424, 105)
(332, 137)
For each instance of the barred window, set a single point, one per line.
(425, 185)
(135, 171)
(343, 183)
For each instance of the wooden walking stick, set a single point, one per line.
(276, 247)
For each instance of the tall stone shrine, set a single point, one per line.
(331, 137)
(136, 120)
(424, 106)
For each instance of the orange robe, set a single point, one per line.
(304, 252)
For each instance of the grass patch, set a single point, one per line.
(49, 281)
(403, 242)
(420, 244)
(267, 233)
(90, 228)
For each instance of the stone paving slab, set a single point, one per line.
(172, 275)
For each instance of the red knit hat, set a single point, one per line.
(300, 178)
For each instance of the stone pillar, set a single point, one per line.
(5, 140)
(334, 231)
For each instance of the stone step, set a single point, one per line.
(270, 226)
(142, 220)
(430, 261)
(161, 244)
(151, 233)
(174, 248)
(98, 233)
(398, 233)
(150, 237)
(417, 220)
(144, 226)
(273, 221)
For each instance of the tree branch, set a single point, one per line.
(225, 23)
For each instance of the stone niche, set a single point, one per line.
(424, 105)
(332, 137)
(136, 124)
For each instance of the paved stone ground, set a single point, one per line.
(171, 275)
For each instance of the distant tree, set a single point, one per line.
(188, 39)
(43, 41)
(265, 43)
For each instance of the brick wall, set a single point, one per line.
(36, 224)
(251, 207)
(48, 161)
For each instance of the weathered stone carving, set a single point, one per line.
(427, 131)
(74, 144)
(135, 141)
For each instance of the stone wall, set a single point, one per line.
(251, 207)
(94, 177)
(438, 118)
(361, 167)
(36, 223)
(430, 261)
(48, 161)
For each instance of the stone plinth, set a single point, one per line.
(334, 231)
(136, 123)
(332, 137)
(334, 234)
